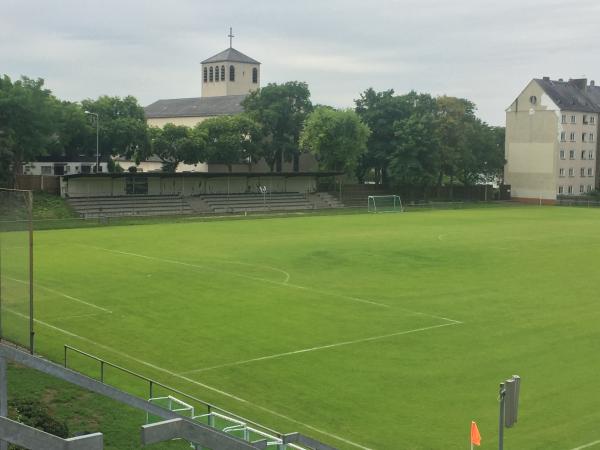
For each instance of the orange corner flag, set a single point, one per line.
(475, 436)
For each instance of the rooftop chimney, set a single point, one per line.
(561, 80)
(546, 78)
(592, 83)
(579, 83)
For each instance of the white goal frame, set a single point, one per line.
(396, 203)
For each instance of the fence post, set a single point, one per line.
(102, 371)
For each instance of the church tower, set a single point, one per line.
(229, 73)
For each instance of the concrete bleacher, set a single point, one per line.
(147, 205)
(255, 202)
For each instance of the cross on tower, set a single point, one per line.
(230, 36)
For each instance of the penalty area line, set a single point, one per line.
(322, 347)
(191, 381)
(249, 277)
(62, 294)
(588, 445)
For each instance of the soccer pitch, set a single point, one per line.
(381, 331)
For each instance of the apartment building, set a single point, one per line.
(552, 139)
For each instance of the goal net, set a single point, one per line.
(384, 203)
(16, 267)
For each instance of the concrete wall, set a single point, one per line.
(187, 121)
(187, 186)
(242, 84)
(531, 151)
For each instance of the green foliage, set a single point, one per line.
(280, 110)
(230, 139)
(419, 139)
(177, 143)
(28, 124)
(123, 129)
(336, 137)
(37, 415)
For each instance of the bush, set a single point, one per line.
(35, 414)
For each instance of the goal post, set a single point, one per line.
(384, 203)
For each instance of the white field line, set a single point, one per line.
(322, 347)
(591, 444)
(249, 277)
(62, 294)
(197, 383)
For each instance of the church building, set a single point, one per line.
(227, 78)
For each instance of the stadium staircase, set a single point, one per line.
(324, 200)
(275, 201)
(147, 205)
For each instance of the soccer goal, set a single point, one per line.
(384, 203)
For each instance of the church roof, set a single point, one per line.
(230, 54)
(196, 107)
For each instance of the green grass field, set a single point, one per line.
(387, 331)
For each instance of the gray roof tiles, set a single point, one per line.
(230, 55)
(195, 107)
(572, 95)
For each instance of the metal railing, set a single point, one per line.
(152, 384)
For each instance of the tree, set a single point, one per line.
(75, 135)
(280, 110)
(337, 138)
(177, 143)
(379, 110)
(27, 124)
(123, 128)
(230, 139)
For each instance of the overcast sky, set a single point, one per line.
(482, 50)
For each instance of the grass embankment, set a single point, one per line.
(83, 411)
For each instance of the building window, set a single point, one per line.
(571, 172)
(589, 188)
(573, 119)
(591, 154)
(583, 137)
(560, 189)
(590, 172)
(231, 73)
(582, 172)
(571, 154)
(570, 189)
(562, 154)
(563, 136)
(583, 153)
(222, 73)
(572, 137)
(563, 119)
(591, 137)
(585, 119)
(592, 120)
(205, 75)
(581, 188)
(46, 170)
(216, 74)
(210, 74)
(561, 172)
(86, 168)
(255, 75)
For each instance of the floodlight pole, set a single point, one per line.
(97, 138)
(31, 330)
